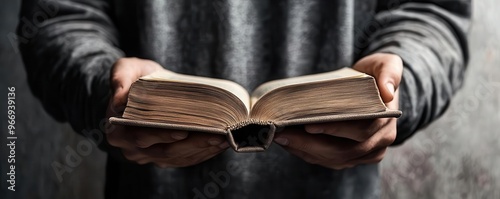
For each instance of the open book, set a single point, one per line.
(174, 101)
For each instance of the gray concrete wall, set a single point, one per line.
(458, 156)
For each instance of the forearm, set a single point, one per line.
(431, 40)
(68, 59)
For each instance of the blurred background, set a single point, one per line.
(457, 156)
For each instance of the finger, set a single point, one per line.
(126, 71)
(146, 137)
(333, 152)
(199, 157)
(371, 158)
(206, 155)
(187, 147)
(329, 148)
(387, 70)
(121, 78)
(130, 137)
(388, 78)
(173, 150)
(323, 146)
(136, 154)
(190, 160)
(193, 143)
(358, 130)
(157, 151)
(394, 104)
(119, 138)
(311, 159)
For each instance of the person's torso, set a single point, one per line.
(250, 42)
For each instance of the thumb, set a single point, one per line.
(388, 79)
(123, 74)
(387, 70)
(126, 71)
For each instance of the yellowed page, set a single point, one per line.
(230, 86)
(269, 86)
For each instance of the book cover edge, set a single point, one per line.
(130, 122)
(342, 117)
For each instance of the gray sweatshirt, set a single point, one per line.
(68, 48)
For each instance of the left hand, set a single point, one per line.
(163, 147)
(345, 144)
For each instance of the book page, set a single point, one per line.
(269, 86)
(230, 86)
(320, 101)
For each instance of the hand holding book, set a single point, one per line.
(163, 147)
(345, 144)
(214, 107)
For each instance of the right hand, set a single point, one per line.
(164, 148)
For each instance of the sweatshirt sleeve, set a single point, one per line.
(68, 48)
(430, 37)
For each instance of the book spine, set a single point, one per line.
(248, 122)
(251, 136)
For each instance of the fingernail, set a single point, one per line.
(314, 129)
(179, 135)
(390, 87)
(214, 142)
(224, 145)
(281, 141)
